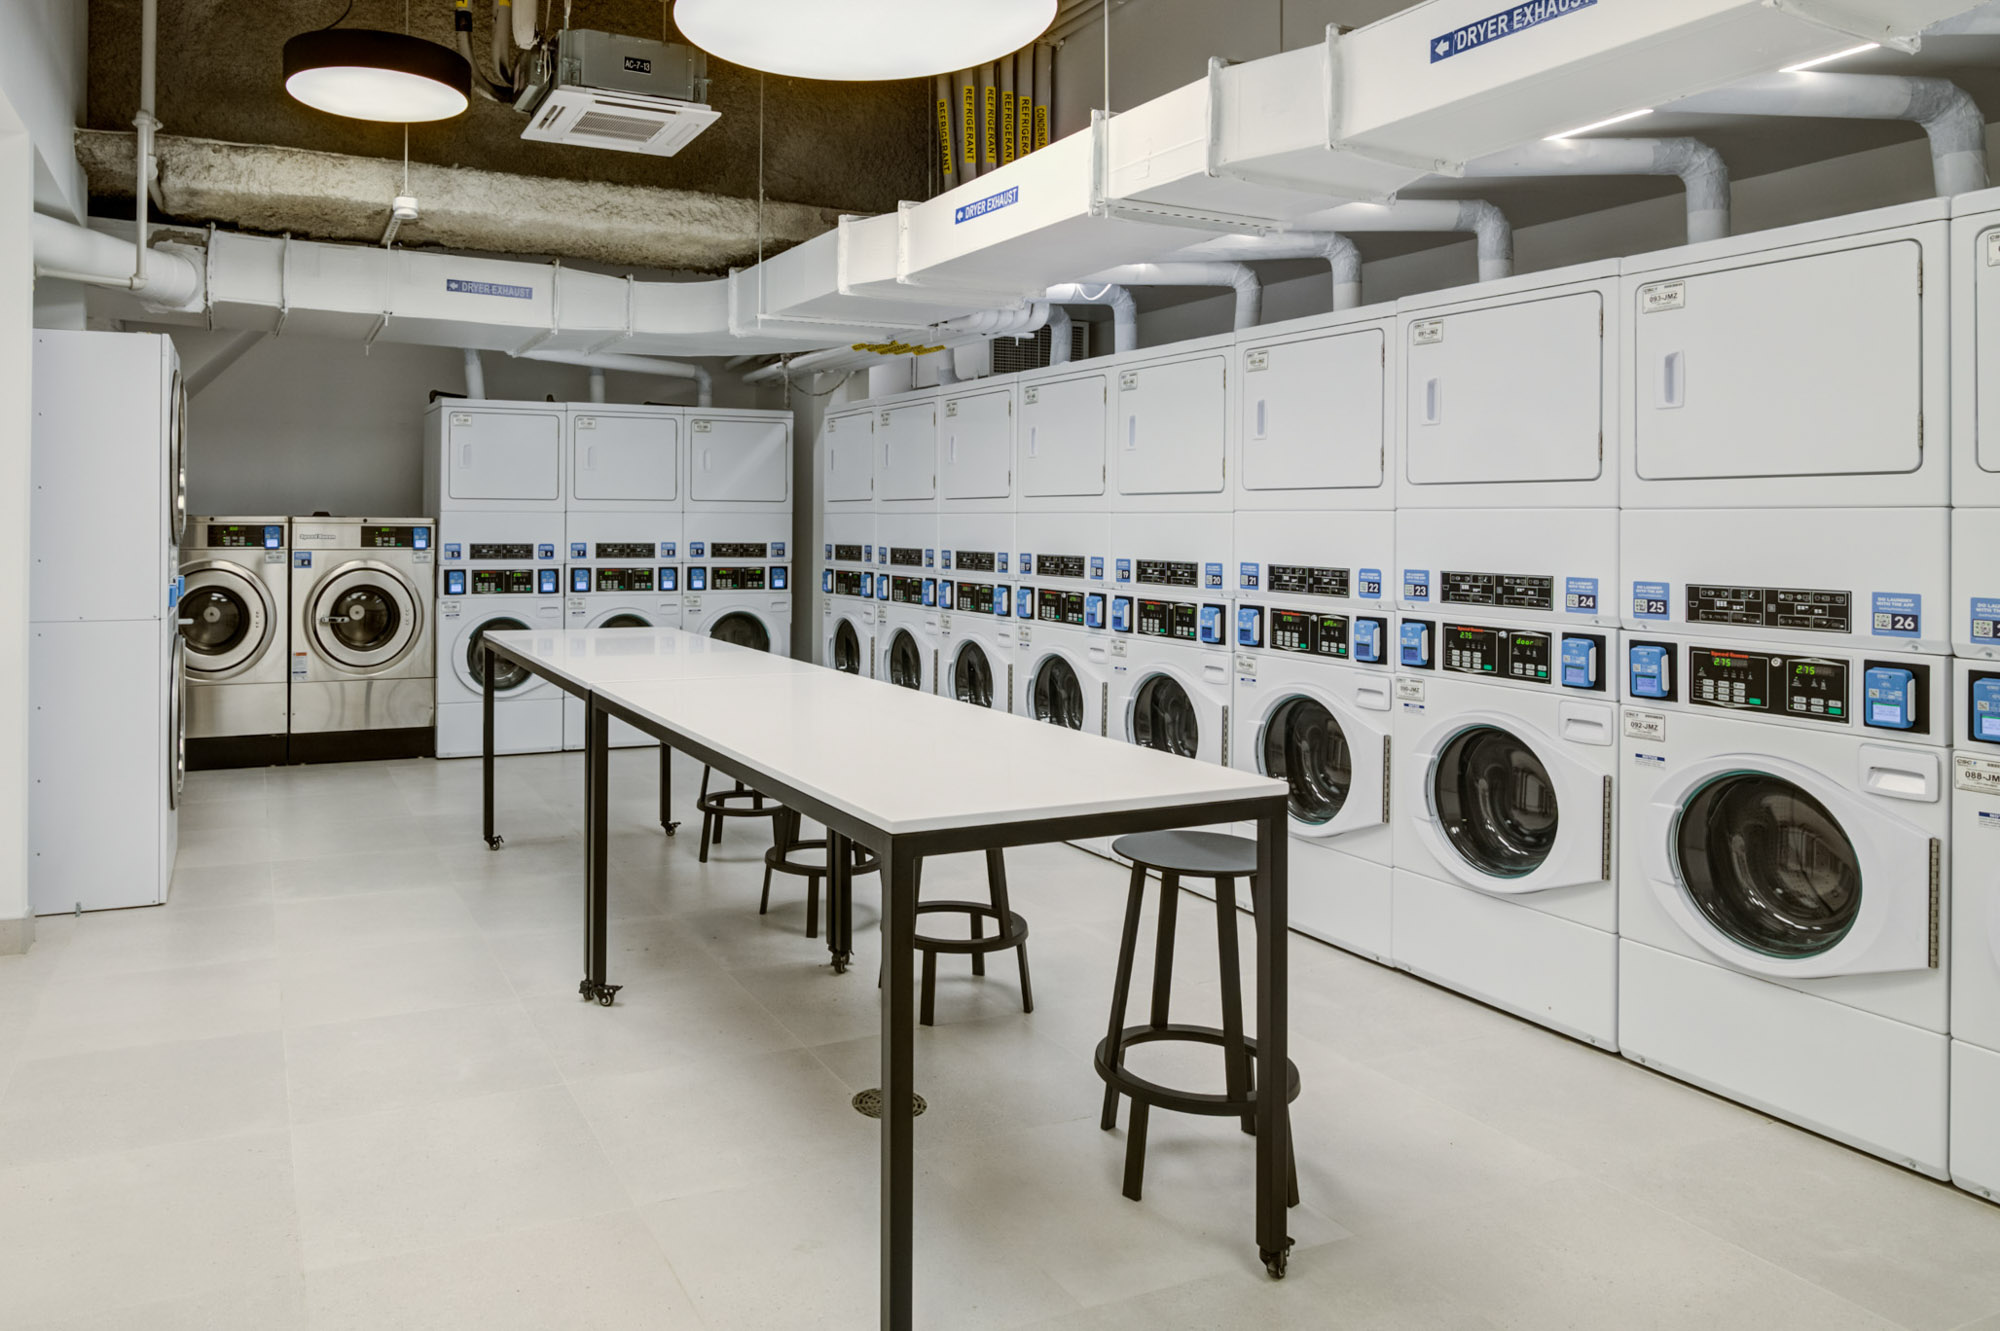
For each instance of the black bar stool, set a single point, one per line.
(742, 802)
(1224, 859)
(785, 842)
(1013, 933)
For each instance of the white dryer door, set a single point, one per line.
(1333, 759)
(1778, 871)
(1506, 808)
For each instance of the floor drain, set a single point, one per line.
(868, 1103)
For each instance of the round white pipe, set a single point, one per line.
(1952, 119)
(1487, 224)
(997, 323)
(475, 376)
(947, 366)
(1339, 252)
(596, 384)
(1699, 166)
(672, 369)
(77, 254)
(1059, 335)
(145, 124)
(1124, 309)
(1249, 291)
(524, 26)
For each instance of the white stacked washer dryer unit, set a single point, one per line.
(1975, 936)
(976, 535)
(907, 649)
(1314, 406)
(235, 626)
(737, 571)
(500, 572)
(364, 603)
(1786, 830)
(105, 755)
(1780, 390)
(847, 515)
(623, 530)
(1975, 434)
(1505, 832)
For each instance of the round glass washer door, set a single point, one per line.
(1495, 802)
(227, 620)
(846, 648)
(364, 616)
(507, 675)
(625, 619)
(1163, 717)
(906, 661)
(1768, 865)
(972, 676)
(1305, 748)
(1058, 694)
(744, 630)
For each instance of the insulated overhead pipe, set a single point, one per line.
(1952, 119)
(1699, 166)
(1341, 256)
(704, 382)
(1487, 223)
(965, 116)
(1249, 291)
(1059, 335)
(1124, 310)
(989, 147)
(475, 376)
(71, 253)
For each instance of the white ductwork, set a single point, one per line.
(524, 26)
(1339, 252)
(165, 280)
(1952, 119)
(596, 384)
(704, 382)
(1487, 224)
(947, 366)
(475, 376)
(996, 323)
(1249, 291)
(1699, 166)
(1059, 335)
(1124, 310)
(1981, 22)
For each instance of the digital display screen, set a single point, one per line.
(624, 549)
(397, 538)
(503, 582)
(1816, 690)
(902, 556)
(1771, 607)
(1291, 631)
(980, 598)
(1169, 619)
(739, 550)
(737, 579)
(1300, 580)
(1056, 607)
(625, 579)
(907, 591)
(847, 583)
(1513, 654)
(1330, 635)
(501, 552)
(1805, 687)
(1516, 591)
(975, 561)
(1169, 573)
(234, 536)
(847, 554)
(1059, 566)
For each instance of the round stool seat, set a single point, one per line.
(1194, 854)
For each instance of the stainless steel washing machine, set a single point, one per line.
(363, 606)
(235, 628)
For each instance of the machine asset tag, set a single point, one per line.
(1246, 667)
(1993, 249)
(1426, 332)
(1646, 725)
(1409, 690)
(1030, 396)
(951, 409)
(691, 603)
(1257, 360)
(1663, 296)
(301, 666)
(586, 422)
(1980, 776)
(944, 623)
(703, 427)
(1118, 647)
(1128, 381)
(274, 556)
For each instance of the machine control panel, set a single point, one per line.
(1651, 671)
(1514, 591)
(977, 561)
(396, 538)
(1170, 619)
(1414, 644)
(737, 550)
(620, 580)
(1469, 649)
(847, 582)
(1889, 698)
(1121, 614)
(732, 578)
(624, 549)
(983, 598)
(1984, 706)
(245, 536)
(1057, 566)
(1804, 687)
(1771, 608)
(504, 581)
(499, 551)
(1061, 607)
(1169, 573)
(847, 554)
(1301, 580)
(906, 590)
(1093, 610)
(904, 556)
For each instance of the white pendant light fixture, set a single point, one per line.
(862, 39)
(366, 74)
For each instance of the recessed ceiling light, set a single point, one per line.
(365, 74)
(862, 39)
(1804, 65)
(1600, 124)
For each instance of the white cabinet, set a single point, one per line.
(505, 455)
(977, 448)
(847, 450)
(1064, 424)
(1173, 422)
(906, 440)
(1314, 423)
(738, 459)
(625, 458)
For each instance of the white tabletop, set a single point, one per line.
(906, 762)
(593, 658)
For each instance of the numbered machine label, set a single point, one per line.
(1646, 725)
(1897, 616)
(1663, 296)
(1978, 776)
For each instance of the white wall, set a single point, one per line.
(42, 74)
(17, 170)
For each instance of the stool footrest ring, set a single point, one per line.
(1015, 933)
(1219, 1105)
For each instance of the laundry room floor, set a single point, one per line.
(343, 1080)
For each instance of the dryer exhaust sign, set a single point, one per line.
(1506, 23)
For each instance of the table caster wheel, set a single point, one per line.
(606, 992)
(670, 828)
(1274, 1262)
(495, 842)
(840, 963)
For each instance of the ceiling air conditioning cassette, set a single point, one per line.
(602, 90)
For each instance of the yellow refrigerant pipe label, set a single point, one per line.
(992, 149)
(971, 119)
(1041, 125)
(1006, 127)
(944, 133)
(1024, 127)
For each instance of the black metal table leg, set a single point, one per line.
(493, 839)
(1273, 1138)
(839, 900)
(667, 823)
(596, 849)
(899, 902)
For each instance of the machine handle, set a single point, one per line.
(465, 454)
(1433, 402)
(590, 457)
(1132, 433)
(1262, 424)
(1673, 380)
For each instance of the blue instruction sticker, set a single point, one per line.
(992, 203)
(464, 288)
(1371, 583)
(1580, 596)
(1985, 617)
(302, 559)
(1511, 20)
(1124, 570)
(1246, 576)
(1416, 584)
(1212, 576)
(1651, 600)
(1898, 615)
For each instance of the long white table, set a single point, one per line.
(909, 775)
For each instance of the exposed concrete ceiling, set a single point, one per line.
(865, 145)
(332, 196)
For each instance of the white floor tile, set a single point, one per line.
(152, 1007)
(415, 1058)
(349, 983)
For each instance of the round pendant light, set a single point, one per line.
(862, 39)
(365, 74)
